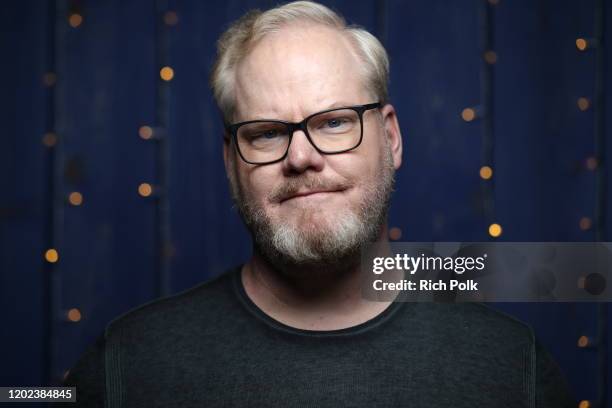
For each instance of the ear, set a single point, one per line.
(393, 133)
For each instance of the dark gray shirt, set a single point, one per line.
(213, 347)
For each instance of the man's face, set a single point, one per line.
(311, 208)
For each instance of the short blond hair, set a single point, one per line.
(240, 38)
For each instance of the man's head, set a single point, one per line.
(308, 208)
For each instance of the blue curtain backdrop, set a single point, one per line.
(113, 189)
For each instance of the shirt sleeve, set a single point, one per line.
(552, 389)
(88, 378)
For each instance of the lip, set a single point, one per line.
(308, 194)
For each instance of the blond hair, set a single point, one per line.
(240, 38)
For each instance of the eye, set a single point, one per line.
(335, 122)
(269, 134)
(262, 135)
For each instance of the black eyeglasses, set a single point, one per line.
(331, 131)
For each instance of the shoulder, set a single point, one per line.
(469, 323)
(486, 319)
(182, 309)
(156, 329)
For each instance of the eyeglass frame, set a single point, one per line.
(292, 127)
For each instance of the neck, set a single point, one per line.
(310, 299)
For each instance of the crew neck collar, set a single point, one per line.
(366, 326)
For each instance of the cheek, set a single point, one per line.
(364, 163)
(257, 182)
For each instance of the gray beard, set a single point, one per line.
(296, 251)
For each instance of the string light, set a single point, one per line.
(583, 341)
(395, 233)
(585, 223)
(49, 79)
(74, 315)
(581, 44)
(49, 139)
(145, 189)
(75, 198)
(75, 20)
(486, 172)
(51, 255)
(583, 103)
(170, 18)
(166, 73)
(591, 163)
(495, 230)
(145, 132)
(490, 57)
(468, 114)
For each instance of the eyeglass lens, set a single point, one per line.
(330, 132)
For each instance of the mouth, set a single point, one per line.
(310, 194)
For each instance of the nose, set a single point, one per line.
(302, 155)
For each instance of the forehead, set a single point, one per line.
(297, 71)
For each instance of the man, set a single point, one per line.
(311, 148)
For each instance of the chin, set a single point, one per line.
(315, 220)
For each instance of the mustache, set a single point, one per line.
(292, 186)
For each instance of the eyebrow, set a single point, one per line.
(338, 104)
